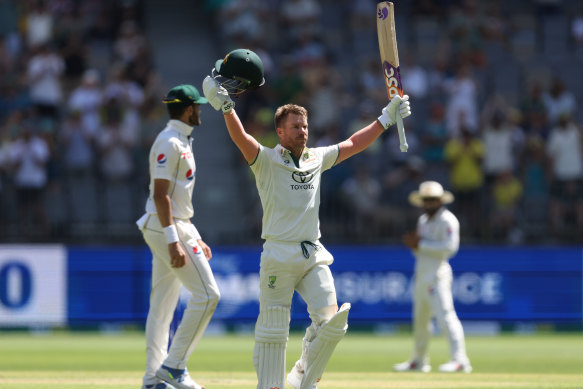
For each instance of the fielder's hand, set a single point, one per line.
(205, 249)
(177, 255)
(398, 106)
(411, 240)
(217, 96)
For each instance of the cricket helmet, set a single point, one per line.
(239, 71)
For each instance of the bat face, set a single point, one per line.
(390, 60)
(388, 48)
(392, 80)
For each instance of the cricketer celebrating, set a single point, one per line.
(293, 258)
(436, 240)
(180, 256)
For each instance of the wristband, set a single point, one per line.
(385, 119)
(228, 106)
(171, 233)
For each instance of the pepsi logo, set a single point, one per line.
(189, 174)
(195, 249)
(161, 158)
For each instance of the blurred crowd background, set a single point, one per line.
(495, 90)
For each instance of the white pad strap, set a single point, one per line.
(321, 348)
(271, 335)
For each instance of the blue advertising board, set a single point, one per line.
(58, 285)
(502, 284)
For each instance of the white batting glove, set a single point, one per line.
(398, 106)
(217, 96)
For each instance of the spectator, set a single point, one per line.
(77, 142)
(29, 158)
(558, 101)
(39, 24)
(507, 192)
(565, 150)
(128, 94)
(501, 142)
(462, 105)
(129, 42)
(115, 143)
(467, 177)
(415, 77)
(87, 99)
(45, 69)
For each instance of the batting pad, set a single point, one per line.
(271, 335)
(323, 345)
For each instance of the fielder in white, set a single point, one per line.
(180, 256)
(288, 182)
(436, 240)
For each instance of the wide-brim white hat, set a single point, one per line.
(432, 190)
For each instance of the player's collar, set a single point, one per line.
(182, 127)
(282, 150)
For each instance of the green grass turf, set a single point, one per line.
(93, 360)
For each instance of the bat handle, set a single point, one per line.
(401, 130)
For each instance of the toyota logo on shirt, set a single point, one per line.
(303, 180)
(302, 177)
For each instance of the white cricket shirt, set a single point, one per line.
(440, 240)
(171, 159)
(290, 195)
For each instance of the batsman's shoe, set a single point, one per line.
(178, 378)
(455, 366)
(294, 378)
(159, 385)
(412, 366)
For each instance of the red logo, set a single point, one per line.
(195, 249)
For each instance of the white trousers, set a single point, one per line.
(433, 297)
(197, 278)
(285, 269)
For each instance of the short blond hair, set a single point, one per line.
(282, 112)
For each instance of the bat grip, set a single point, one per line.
(401, 130)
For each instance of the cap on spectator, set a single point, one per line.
(184, 94)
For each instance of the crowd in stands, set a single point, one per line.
(495, 89)
(77, 82)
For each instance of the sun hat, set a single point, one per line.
(430, 190)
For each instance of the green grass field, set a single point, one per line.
(92, 360)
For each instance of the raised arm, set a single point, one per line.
(361, 139)
(219, 99)
(246, 143)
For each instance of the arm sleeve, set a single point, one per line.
(260, 166)
(329, 156)
(165, 161)
(449, 243)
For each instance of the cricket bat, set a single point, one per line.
(390, 60)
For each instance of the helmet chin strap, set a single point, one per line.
(234, 86)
